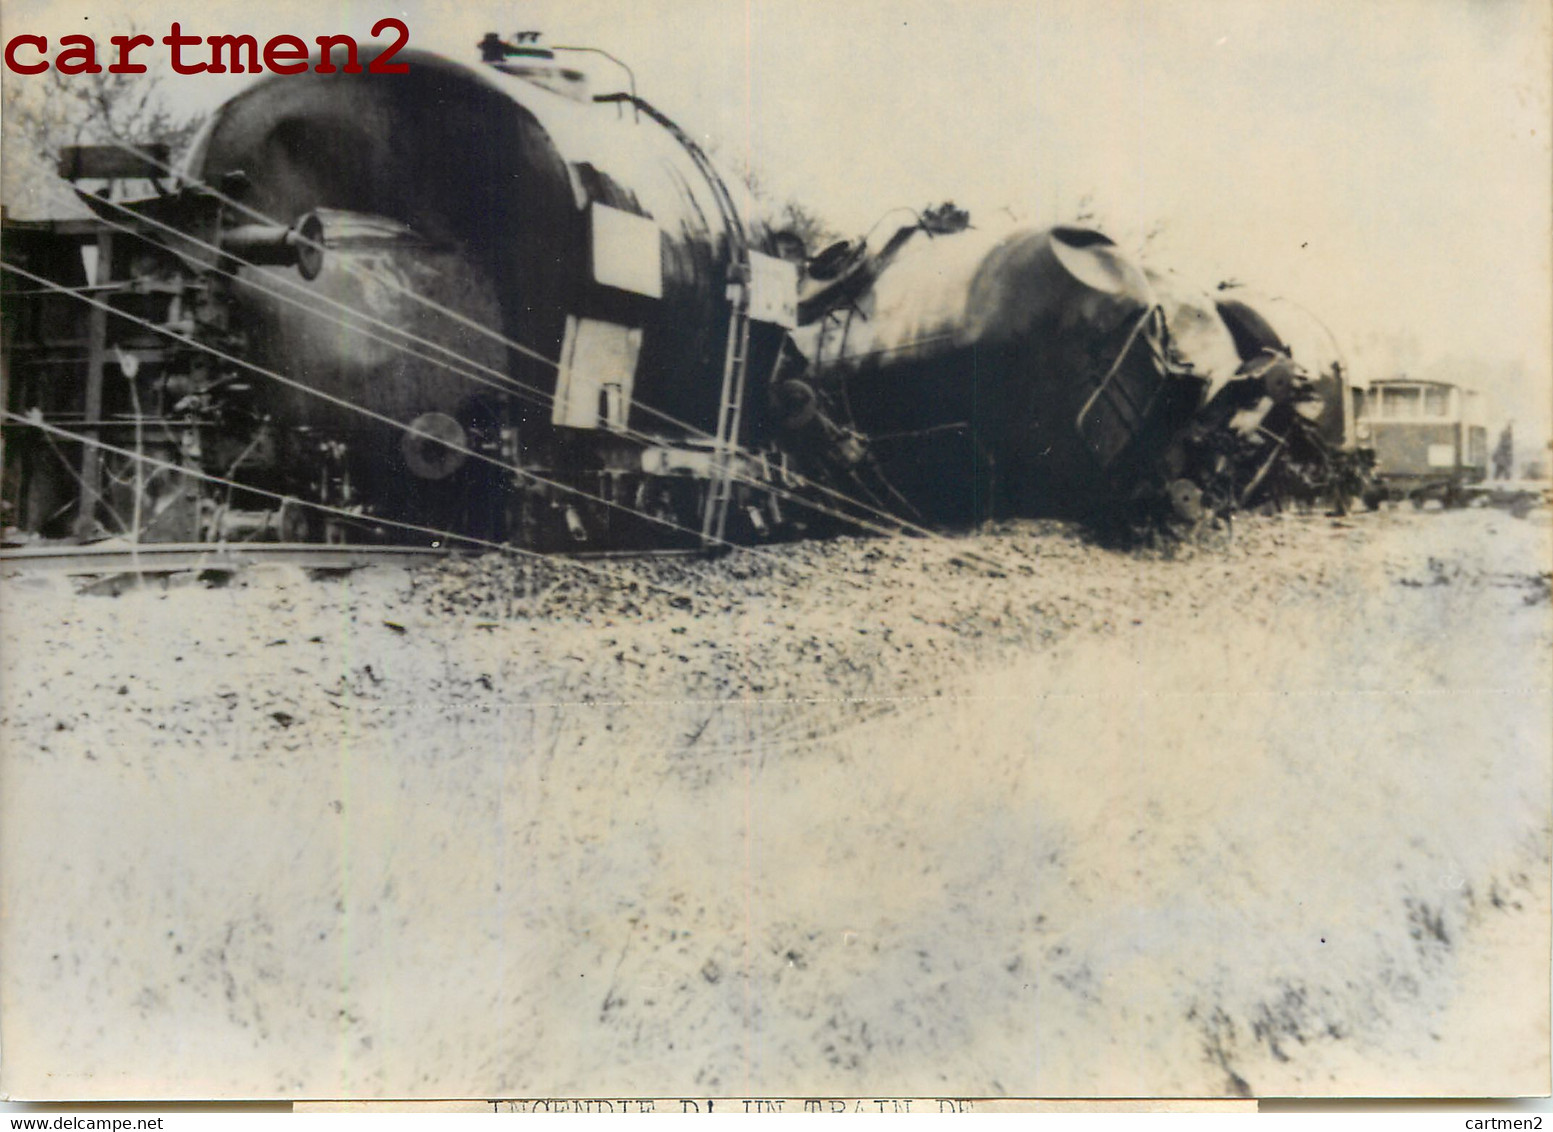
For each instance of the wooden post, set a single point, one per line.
(96, 361)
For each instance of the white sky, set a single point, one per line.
(1385, 162)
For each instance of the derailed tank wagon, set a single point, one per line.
(468, 298)
(992, 373)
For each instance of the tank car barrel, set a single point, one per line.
(996, 372)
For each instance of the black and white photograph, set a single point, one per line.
(965, 552)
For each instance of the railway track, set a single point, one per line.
(173, 558)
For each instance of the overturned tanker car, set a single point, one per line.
(964, 374)
(961, 374)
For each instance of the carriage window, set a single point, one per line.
(1437, 402)
(1396, 404)
(1361, 405)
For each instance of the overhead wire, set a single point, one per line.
(503, 382)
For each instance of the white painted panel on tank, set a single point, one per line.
(1442, 455)
(627, 251)
(773, 290)
(597, 374)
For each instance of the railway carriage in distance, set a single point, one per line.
(1428, 437)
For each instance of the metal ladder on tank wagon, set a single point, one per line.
(730, 413)
(730, 408)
